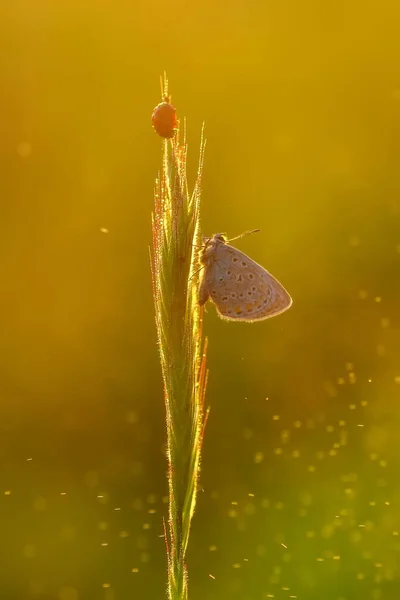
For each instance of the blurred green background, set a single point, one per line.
(300, 480)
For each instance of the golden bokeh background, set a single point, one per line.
(300, 480)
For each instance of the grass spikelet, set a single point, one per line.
(175, 226)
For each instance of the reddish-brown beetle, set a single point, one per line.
(164, 119)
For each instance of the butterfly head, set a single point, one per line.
(219, 238)
(210, 246)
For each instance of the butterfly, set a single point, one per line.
(241, 289)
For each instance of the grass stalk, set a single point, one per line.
(175, 227)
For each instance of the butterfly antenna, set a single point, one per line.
(243, 234)
(195, 273)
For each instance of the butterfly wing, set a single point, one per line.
(204, 293)
(241, 289)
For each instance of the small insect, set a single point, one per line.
(241, 289)
(164, 119)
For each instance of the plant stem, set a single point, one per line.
(183, 355)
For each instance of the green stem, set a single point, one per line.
(178, 321)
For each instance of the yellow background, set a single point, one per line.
(302, 108)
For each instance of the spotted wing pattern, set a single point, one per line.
(241, 289)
